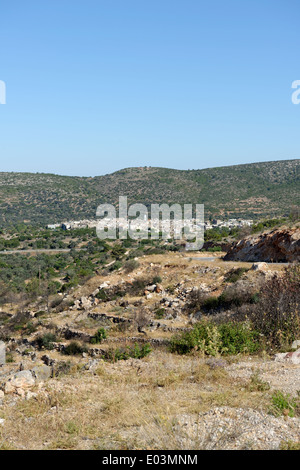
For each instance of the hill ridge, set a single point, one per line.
(256, 190)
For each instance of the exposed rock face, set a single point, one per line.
(278, 246)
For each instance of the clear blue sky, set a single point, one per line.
(94, 86)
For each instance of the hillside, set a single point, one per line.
(148, 358)
(251, 190)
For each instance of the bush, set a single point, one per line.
(136, 352)
(231, 297)
(46, 341)
(99, 336)
(101, 295)
(276, 313)
(131, 265)
(160, 313)
(213, 339)
(214, 249)
(114, 267)
(284, 404)
(236, 274)
(74, 349)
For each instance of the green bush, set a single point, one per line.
(239, 338)
(99, 336)
(136, 352)
(102, 295)
(213, 339)
(160, 312)
(46, 341)
(214, 249)
(284, 404)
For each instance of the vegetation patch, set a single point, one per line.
(217, 339)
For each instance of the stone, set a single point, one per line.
(151, 288)
(259, 267)
(41, 372)
(29, 395)
(296, 344)
(19, 383)
(292, 357)
(85, 303)
(2, 353)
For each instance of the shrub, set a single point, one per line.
(74, 348)
(56, 302)
(118, 251)
(235, 274)
(99, 336)
(114, 267)
(284, 404)
(139, 285)
(46, 341)
(131, 265)
(30, 328)
(214, 249)
(136, 352)
(239, 338)
(213, 339)
(160, 312)
(102, 295)
(276, 313)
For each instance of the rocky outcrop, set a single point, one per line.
(278, 246)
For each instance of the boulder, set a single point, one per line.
(42, 372)
(151, 288)
(85, 303)
(259, 266)
(292, 357)
(295, 344)
(2, 353)
(19, 383)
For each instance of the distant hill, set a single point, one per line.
(253, 190)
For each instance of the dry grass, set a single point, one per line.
(122, 405)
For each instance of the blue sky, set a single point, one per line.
(98, 85)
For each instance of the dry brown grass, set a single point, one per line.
(121, 405)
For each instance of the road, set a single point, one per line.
(22, 252)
